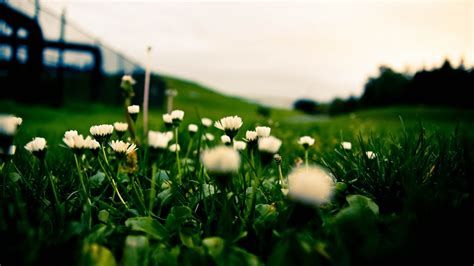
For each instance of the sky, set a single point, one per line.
(276, 52)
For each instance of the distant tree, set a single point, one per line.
(264, 111)
(385, 89)
(306, 106)
(339, 106)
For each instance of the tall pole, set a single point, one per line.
(37, 9)
(146, 91)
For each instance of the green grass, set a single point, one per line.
(414, 200)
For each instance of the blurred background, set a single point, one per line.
(317, 57)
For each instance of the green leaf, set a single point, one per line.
(94, 254)
(214, 245)
(364, 202)
(135, 251)
(265, 218)
(103, 216)
(97, 179)
(147, 225)
(14, 176)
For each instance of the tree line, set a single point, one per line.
(442, 86)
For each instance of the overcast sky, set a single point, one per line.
(280, 51)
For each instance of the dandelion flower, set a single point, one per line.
(269, 144)
(221, 160)
(306, 141)
(263, 132)
(174, 148)
(240, 145)
(225, 139)
(230, 125)
(371, 155)
(206, 122)
(159, 140)
(312, 185)
(122, 148)
(346, 145)
(37, 147)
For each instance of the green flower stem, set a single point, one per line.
(306, 157)
(53, 186)
(190, 145)
(85, 192)
(152, 189)
(114, 185)
(280, 173)
(177, 155)
(254, 183)
(81, 178)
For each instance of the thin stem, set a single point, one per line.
(177, 155)
(81, 178)
(306, 157)
(152, 190)
(281, 175)
(86, 194)
(53, 186)
(114, 185)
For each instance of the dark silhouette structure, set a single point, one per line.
(23, 72)
(39, 66)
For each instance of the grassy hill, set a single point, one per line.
(199, 101)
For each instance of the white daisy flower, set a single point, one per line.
(208, 136)
(221, 160)
(269, 144)
(168, 119)
(128, 79)
(177, 115)
(10, 151)
(70, 133)
(92, 144)
(37, 147)
(174, 148)
(206, 122)
(263, 132)
(306, 141)
(122, 148)
(120, 127)
(250, 136)
(159, 140)
(101, 130)
(171, 92)
(225, 139)
(9, 124)
(230, 125)
(371, 155)
(192, 128)
(240, 145)
(133, 109)
(76, 142)
(312, 185)
(346, 145)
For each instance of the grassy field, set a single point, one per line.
(412, 200)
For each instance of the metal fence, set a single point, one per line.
(70, 72)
